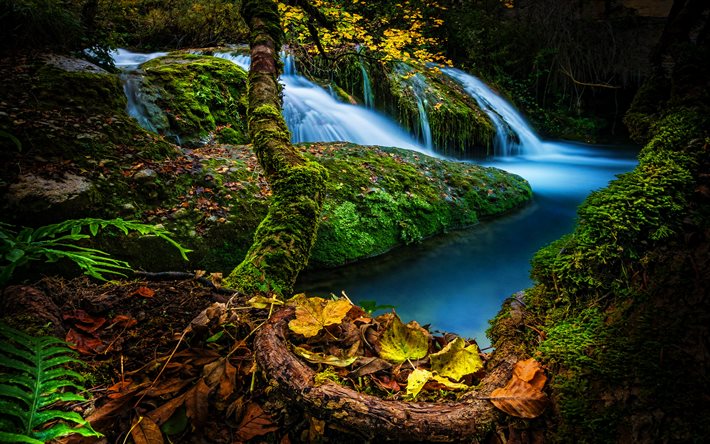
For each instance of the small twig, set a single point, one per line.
(593, 85)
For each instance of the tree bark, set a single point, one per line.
(470, 419)
(283, 240)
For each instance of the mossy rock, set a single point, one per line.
(380, 198)
(67, 122)
(458, 126)
(194, 98)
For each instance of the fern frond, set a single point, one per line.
(34, 378)
(16, 437)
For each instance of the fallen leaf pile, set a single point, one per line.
(381, 355)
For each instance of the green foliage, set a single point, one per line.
(179, 23)
(34, 378)
(56, 241)
(371, 306)
(60, 25)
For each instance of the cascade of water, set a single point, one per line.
(513, 133)
(135, 105)
(367, 94)
(424, 125)
(314, 115)
(129, 61)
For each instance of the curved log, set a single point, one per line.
(470, 419)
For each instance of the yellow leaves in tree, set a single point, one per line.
(522, 396)
(314, 314)
(456, 360)
(401, 342)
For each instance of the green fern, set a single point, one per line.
(33, 377)
(54, 242)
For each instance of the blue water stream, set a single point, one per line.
(455, 282)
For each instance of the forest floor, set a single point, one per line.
(151, 360)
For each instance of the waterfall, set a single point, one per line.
(367, 95)
(135, 105)
(424, 124)
(128, 62)
(314, 115)
(513, 133)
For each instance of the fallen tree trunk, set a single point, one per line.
(470, 419)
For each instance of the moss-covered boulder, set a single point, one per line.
(380, 198)
(194, 98)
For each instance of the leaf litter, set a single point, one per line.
(154, 360)
(382, 355)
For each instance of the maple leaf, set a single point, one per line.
(456, 360)
(314, 314)
(401, 342)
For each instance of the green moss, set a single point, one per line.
(605, 293)
(190, 96)
(379, 198)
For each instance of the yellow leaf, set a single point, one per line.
(419, 377)
(455, 360)
(263, 301)
(416, 381)
(314, 314)
(401, 342)
(322, 358)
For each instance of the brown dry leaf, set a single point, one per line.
(86, 345)
(518, 397)
(144, 292)
(125, 321)
(196, 403)
(84, 321)
(369, 365)
(110, 409)
(165, 388)
(145, 431)
(215, 312)
(256, 422)
(531, 372)
(228, 382)
(165, 411)
(212, 373)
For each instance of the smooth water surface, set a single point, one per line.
(457, 282)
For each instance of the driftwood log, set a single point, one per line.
(374, 418)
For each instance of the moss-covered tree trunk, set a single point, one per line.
(284, 238)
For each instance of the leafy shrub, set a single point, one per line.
(54, 242)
